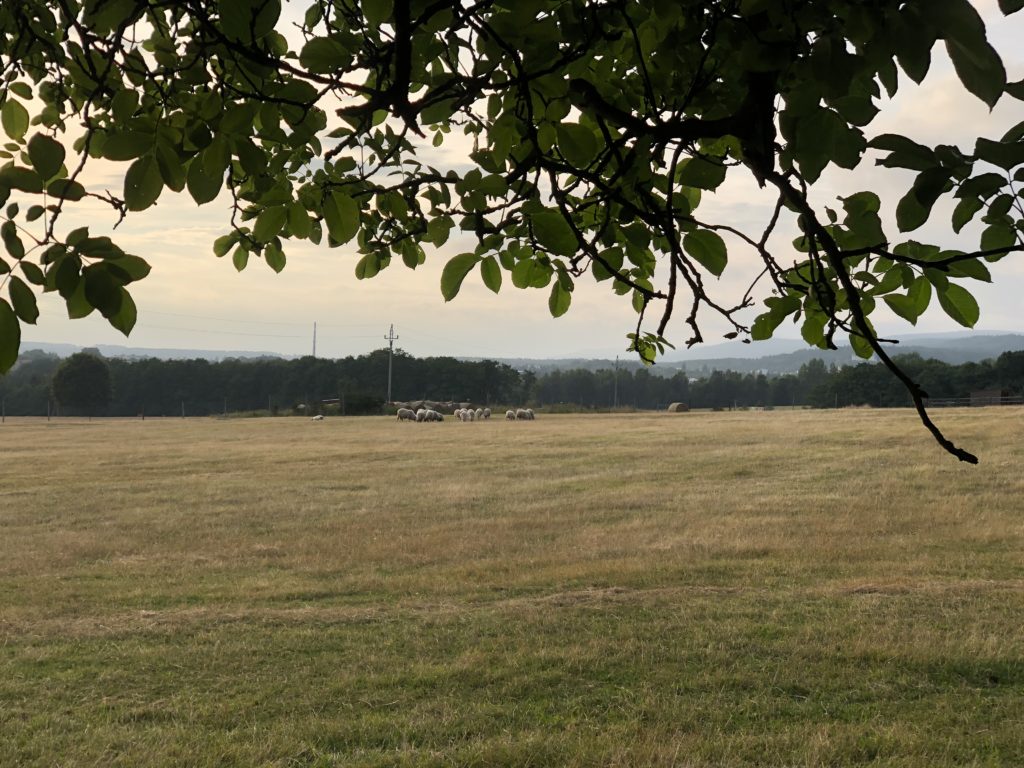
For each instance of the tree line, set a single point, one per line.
(42, 382)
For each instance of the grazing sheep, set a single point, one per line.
(406, 414)
(421, 414)
(510, 415)
(318, 417)
(433, 415)
(531, 416)
(479, 415)
(521, 414)
(487, 413)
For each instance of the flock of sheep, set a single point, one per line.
(463, 414)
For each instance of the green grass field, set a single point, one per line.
(729, 589)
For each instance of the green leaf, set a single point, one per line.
(10, 336)
(203, 183)
(1005, 154)
(171, 169)
(78, 305)
(33, 273)
(438, 231)
(813, 328)
(14, 118)
(13, 244)
(142, 184)
(126, 145)
(224, 243)
(559, 299)
(274, 257)
(25, 179)
(490, 272)
(577, 143)
(299, 222)
(979, 68)
(324, 54)
(959, 304)
(377, 11)
(965, 211)
(66, 189)
(47, 155)
(412, 254)
(553, 233)
(779, 308)
(368, 266)
(903, 153)
(701, 173)
(127, 268)
(269, 223)
(708, 249)
(124, 319)
(913, 305)
(914, 207)
(23, 299)
(101, 290)
(996, 236)
(916, 38)
(861, 347)
(531, 273)
(240, 258)
(823, 137)
(341, 214)
(973, 268)
(455, 272)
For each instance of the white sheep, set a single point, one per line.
(318, 417)
(421, 414)
(487, 413)
(521, 414)
(406, 414)
(479, 414)
(530, 416)
(510, 415)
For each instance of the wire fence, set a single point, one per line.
(974, 401)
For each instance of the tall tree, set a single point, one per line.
(82, 383)
(595, 127)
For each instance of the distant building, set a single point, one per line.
(993, 396)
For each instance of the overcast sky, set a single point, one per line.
(194, 300)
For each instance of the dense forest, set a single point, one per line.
(358, 385)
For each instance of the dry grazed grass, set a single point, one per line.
(798, 588)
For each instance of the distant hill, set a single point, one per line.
(788, 355)
(114, 350)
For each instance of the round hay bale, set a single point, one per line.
(678, 408)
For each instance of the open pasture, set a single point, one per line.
(707, 589)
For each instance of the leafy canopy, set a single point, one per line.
(595, 127)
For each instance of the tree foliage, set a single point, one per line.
(593, 129)
(82, 383)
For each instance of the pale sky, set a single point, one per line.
(194, 300)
